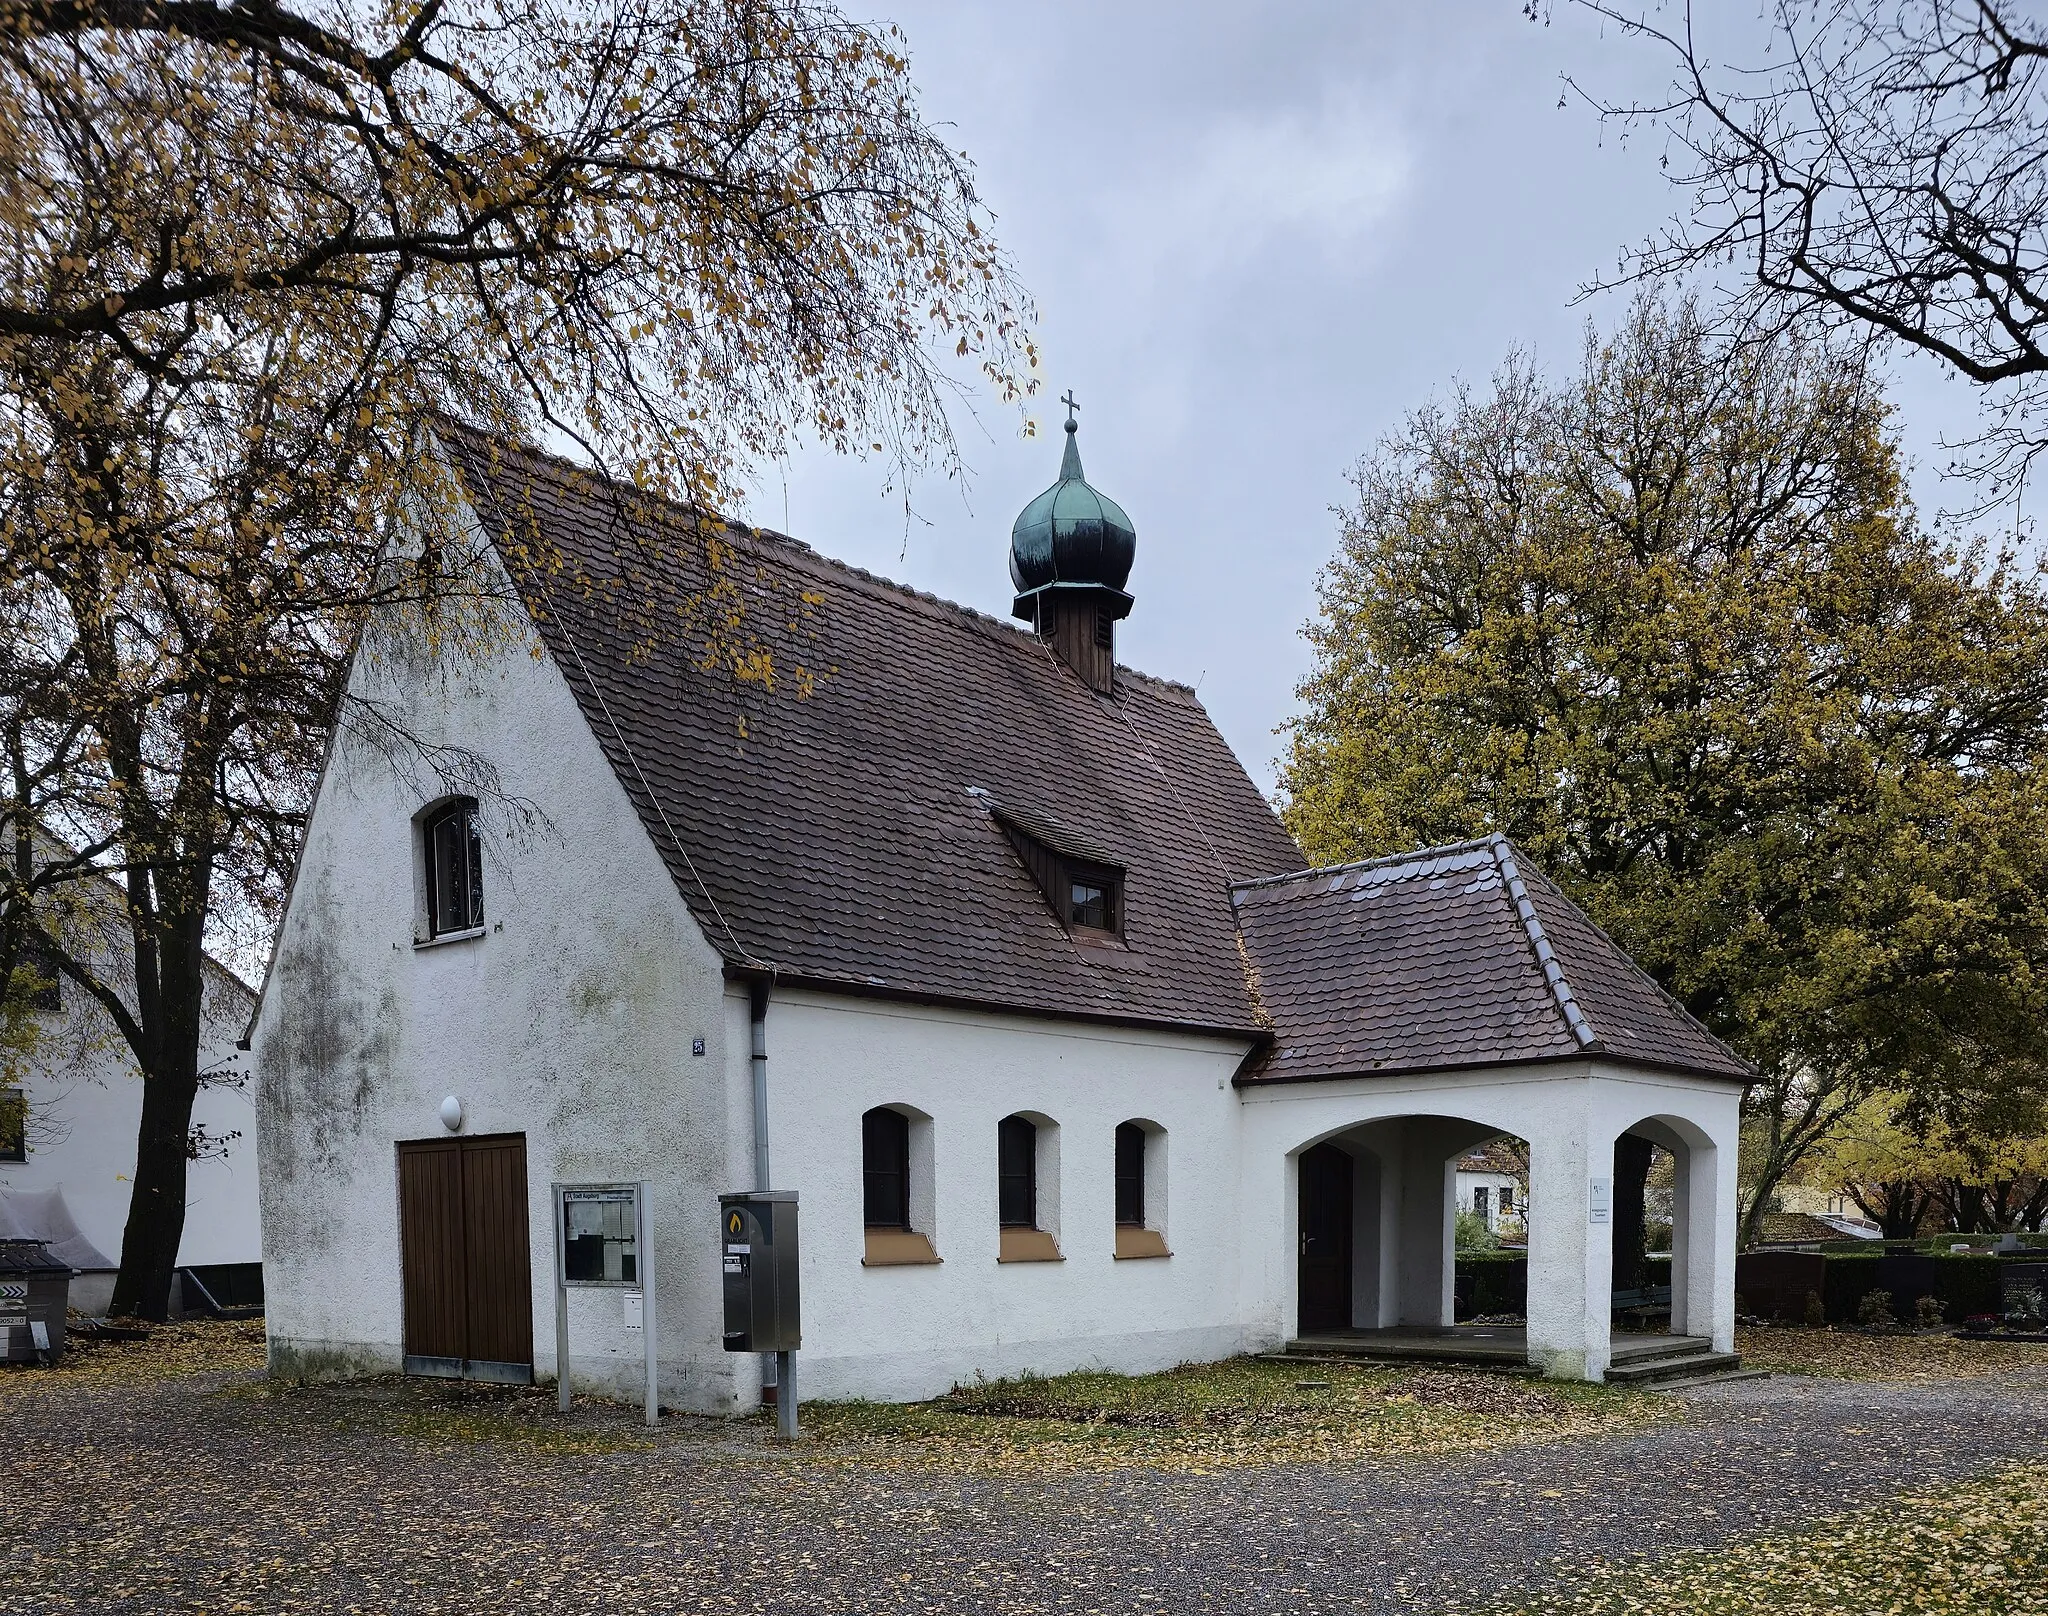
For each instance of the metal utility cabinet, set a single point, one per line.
(757, 1237)
(758, 1240)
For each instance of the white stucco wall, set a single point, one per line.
(84, 1096)
(904, 1332)
(570, 1020)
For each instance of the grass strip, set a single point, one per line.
(1842, 1354)
(1981, 1546)
(1203, 1417)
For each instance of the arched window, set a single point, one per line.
(1130, 1174)
(454, 853)
(896, 1187)
(1027, 1189)
(1140, 1189)
(1017, 1173)
(885, 1168)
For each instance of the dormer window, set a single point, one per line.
(454, 853)
(1082, 883)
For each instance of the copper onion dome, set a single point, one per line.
(1072, 536)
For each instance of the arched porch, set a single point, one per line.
(1368, 1196)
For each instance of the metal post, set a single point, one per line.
(759, 1053)
(757, 1001)
(785, 1395)
(561, 1309)
(644, 1240)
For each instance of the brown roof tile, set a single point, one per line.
(847, 837)
(1449, 957)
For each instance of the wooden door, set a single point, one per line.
(431, 1237)
(1324, 1276)
(468, 1280)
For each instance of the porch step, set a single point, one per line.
(1499, 1349)
(1323, 1352)
(1718, 1377)
(1688, 1362)
(1635, 1360)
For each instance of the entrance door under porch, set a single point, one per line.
(468, 1280)
(1324, 1277)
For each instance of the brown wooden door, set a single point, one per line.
(1324, 1275)
(467, 1270)
(430, 1243)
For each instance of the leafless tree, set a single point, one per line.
(1880, 165)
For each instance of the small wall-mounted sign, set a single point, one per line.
(696, 1046)
(633, 1315)
(1600, 1201)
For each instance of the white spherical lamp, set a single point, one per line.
(451, 1114)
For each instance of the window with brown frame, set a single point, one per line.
(454, 851)
(1091, 900)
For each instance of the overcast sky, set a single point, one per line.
(1258, 235)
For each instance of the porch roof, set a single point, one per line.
(1449, 957)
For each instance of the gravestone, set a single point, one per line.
(1908, 1276)
(2023, 1289)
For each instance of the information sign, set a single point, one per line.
(604, 1238)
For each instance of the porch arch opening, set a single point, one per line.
(1381, 1211)
(1663, 1228)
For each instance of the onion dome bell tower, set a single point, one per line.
(1070, 551)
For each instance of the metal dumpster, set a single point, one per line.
(34, 1291)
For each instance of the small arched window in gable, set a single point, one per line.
(454, 852)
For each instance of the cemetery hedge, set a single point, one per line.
(1497, 1282)
(1963, 1285)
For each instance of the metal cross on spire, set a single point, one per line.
(1068, 400)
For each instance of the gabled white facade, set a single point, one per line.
(574, 1019)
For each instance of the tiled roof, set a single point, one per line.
(848, 837)
(1795, 1229)
(1449, 957)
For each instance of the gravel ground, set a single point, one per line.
(179, 1495)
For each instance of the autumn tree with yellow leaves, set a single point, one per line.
(1672, 626)
(249, 252)
(1911, 1179)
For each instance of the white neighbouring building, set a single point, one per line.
(68, 1166)
(1069, 1061)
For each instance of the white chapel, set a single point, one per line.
(978, 941)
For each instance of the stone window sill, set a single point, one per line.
(898, 1248)
(468, 935)
(1134, 1242)
(1027, 1245)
